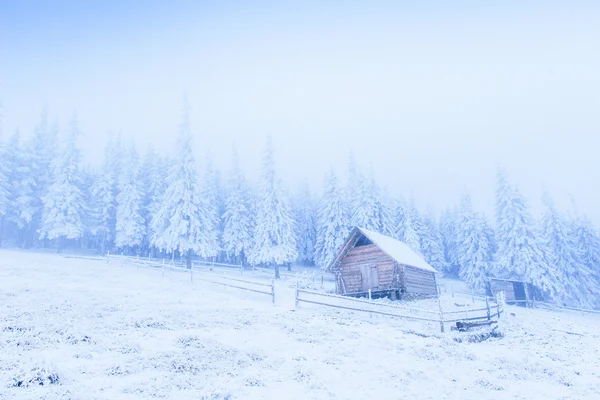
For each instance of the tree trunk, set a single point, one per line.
(277, 272)
(188, 259)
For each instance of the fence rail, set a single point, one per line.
(549, 306)
(197, 274)
(441, 316)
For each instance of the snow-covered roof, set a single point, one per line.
(397, 250)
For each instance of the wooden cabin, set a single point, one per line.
(515, 291)
(385, 266)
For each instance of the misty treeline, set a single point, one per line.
(160, 205)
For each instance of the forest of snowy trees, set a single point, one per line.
(157, 204)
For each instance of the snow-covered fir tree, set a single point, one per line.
(475, 247)
(588, 245)
(333, 224)
(238, 218)
(407, 220)
(274, 239)
(209, 245)
(152, 180)
(177, 225)
(64, 203)
(354, 191)
(565, 261)
(448, 231)
(431, 244)
(22, 191)
(5, 172)
(130, 227)
(305, 213)
(519, 255)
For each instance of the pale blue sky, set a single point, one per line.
(434, 96)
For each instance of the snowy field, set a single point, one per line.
(81, 329)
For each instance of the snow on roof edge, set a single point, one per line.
(398, 250)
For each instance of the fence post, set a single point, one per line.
(121, 259)
(297, 296)
(108, 257)
(452, 290)
(273, 291)
(322, 286)
(487, 306)
(192, 274)
(369, 294)
(163, 267)
(441, 316)
(498, 303)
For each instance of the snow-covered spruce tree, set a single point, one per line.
(5, 172)
(565, 261)
(274, 240)
(209, 246)
(177, 225)
(474, 246)
(406, 231)
(22, 191)
(238, 218)
(104, 203)
(333, 224)
(354, 191)
(130, 228)
(448, 231)
(431, 244)
(64, 203)
(306, 216)
(588, 245)
(43, 144)
(519, 255)
(152, 181)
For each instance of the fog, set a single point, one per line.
(433, 98)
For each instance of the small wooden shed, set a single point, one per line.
(515, 291)
(372, 261)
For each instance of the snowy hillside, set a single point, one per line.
(90, 330)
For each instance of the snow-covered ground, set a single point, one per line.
(91, 330)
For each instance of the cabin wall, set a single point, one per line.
(506, 286)
(419, 281)
(352, 267)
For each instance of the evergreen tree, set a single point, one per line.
(238, 217)
(5, 172)
(209, 245)
(333, 222)
(274, 241)
(130, 228)
(64, 203)
(578, 288)
(177, 225)
(431, 244)
(474, 246)
(305, 226)
(588, 245)
(22, 191)
(152, 179)
(355, 189)
(448, 231)
(519, 255)
(406, 232)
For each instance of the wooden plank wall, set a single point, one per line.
(366, 255)
(506, 286)
(417, 280)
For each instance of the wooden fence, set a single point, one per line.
(200, 274)
(494, 309)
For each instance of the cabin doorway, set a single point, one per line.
(370, 277)
(520, 295)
